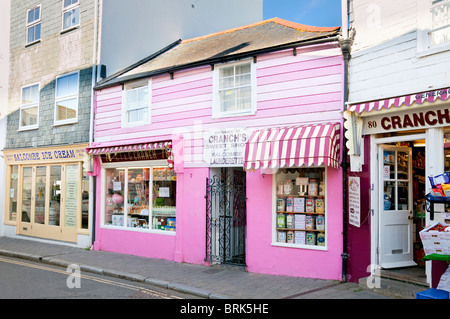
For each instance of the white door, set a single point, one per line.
(396, 215)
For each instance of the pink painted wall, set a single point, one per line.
(263, 257)
(291, 90)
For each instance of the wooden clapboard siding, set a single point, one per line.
(386, 61)
(291, 90)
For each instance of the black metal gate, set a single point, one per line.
(226, 217)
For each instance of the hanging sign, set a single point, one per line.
(354, 201)
(225, 147)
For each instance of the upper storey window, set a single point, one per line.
(234, 89)
(433, 26)
(440, 22)
(34, 25)
(71, 14)
(136, 103)
(66, 98)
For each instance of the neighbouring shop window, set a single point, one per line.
(140, 198)
(27, 180)
(300, 216)
(85, 201)
(234, 89)
(66, 108)
(34, 25)
(40, 191)
(13, 184)
(55, 195)
(29, 109)
(71, 14)
(136, 104)
(47, 192)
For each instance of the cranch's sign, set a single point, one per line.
(414, 118)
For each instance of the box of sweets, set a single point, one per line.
(289, 204)
(299, 205)
(290, 236)
(281, 221)
(309, 205)
(300, 237)
(290, 221)
(320, 208)
(281, 236)
(300, 221)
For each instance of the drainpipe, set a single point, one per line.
(346, 45)
(93, 179)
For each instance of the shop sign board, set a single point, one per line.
(413, 118)
(354, 201)
(67, 153)
(225, 147)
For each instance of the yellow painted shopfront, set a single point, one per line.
(47, 192)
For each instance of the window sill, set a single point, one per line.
(433, 50)
(140, 230)
(65, 123)
(309, 247)
(233, 114)
(69, 29)
(24, 129)
(32, 43)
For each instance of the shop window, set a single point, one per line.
(55, 195)
(34, 25)
(66, 108)
(27, 180)
(234, 89)
(13, 184)
(29, 109)
(136, 104)
(140, 198)
(71, 14)
(300, 212)
(85, 201)
(40, 189)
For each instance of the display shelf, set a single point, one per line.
(296, 229)
(304, 213)
(430, 200)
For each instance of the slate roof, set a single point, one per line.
(217, 47)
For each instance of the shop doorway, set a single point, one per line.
(226, 221)
(401, 208)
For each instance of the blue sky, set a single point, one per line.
(322, 13)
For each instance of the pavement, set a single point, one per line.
(211, 282)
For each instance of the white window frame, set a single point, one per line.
(424, 30)
(216, 112)
(134, 86)
(128, 165)
(67, 97)
(33, 24)
(274, 215)
(29, 106)
(68, 9)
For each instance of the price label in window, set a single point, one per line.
(117, 186)
(164, 192)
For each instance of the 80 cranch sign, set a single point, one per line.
(407, 120)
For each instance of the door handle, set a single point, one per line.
(410, 217)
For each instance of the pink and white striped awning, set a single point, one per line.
(141, 147)
(406, 100)
(129, 148)
(313, 145)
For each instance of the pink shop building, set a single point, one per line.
(226, 149)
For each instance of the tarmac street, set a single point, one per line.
(210, 282)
